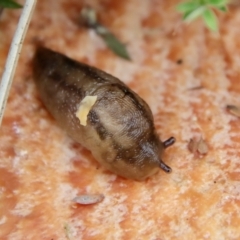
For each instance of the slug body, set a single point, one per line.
(119, 128)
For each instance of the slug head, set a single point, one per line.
(142, 160)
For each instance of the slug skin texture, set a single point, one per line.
(119, 129)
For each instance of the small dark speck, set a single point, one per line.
(215, 182)
(179, 61)
(196, 88)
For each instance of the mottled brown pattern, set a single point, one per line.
(130, 147)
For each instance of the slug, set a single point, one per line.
(119, 129)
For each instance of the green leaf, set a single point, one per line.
(89, 18)
(9, 4)
(188, 6)
(223, 9)
(210, 20)
(192, 15)
(217, 2)
(115, 45)
(195, 8)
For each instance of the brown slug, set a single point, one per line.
(119, 129)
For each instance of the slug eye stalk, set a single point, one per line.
(165, 167)
(169, 142)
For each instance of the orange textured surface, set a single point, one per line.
(42, 169)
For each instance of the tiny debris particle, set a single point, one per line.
(202, 147)
(179, 61)
(192, 146)
(195, 88)
(84, 109)
(198, 146)
(87, 199)
(67, 231)
(234, 110)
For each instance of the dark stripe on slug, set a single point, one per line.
(96, 123)
(49, 72)
(61, 83)
(50, 60)
(132, 97)
(136, 102)
(90, 72)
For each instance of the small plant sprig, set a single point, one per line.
(9, 4)
(203, 8)
(89, 19)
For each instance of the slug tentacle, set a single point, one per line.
(101, 113)
(165, 167)
(169, 142)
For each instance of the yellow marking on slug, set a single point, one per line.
(84, 109)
